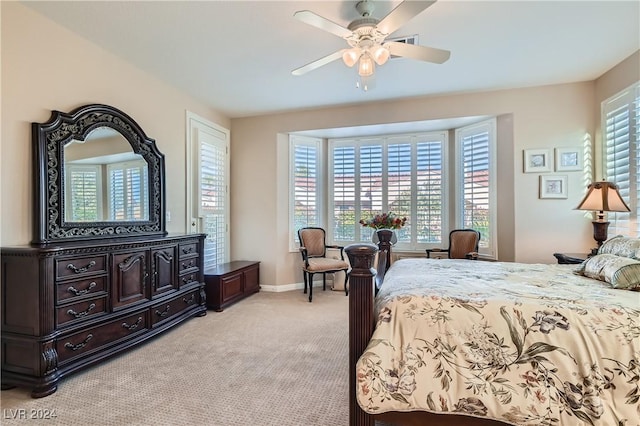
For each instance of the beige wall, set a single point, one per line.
(45, 67)
(530, 229)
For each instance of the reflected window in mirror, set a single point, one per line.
(104, 179)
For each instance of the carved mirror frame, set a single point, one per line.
(50, 139)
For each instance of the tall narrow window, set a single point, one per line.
(305, 184)
(621, 128)
(208, 187)
(476, 200)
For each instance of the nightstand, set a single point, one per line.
(571, 258)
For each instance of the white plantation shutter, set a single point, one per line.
(342, 181)
(476, 177)
(128, 191)
(306, 188)
(399, 174)
(370, 192)
(621, 118)
(83, 194)
(212, 188)
(429, 192)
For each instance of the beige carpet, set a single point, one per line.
(271, 359)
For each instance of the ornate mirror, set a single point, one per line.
(99, 176)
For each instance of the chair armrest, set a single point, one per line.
(341, 248)
(303, 252)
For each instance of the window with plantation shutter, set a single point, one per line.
(213, 196)
(400, 173)
(305, 181)
(475, 176)
(207, 194)
(128, 191)
(621, 136)
(83, 193)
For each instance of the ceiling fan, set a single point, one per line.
(366, 37)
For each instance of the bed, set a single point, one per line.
(471, 342)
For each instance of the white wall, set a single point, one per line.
(45, 67)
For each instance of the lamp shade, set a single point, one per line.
(365, 67)
(350, 57)
(603, 197)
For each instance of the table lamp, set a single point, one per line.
(602, 197)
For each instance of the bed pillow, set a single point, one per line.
(621, 246)
(620, 272)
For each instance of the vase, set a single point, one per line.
(386, 238)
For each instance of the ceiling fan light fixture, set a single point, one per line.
(380, 54)
(350, 57)
(365, 67)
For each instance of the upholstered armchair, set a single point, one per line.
(313, 248)
(463, 244)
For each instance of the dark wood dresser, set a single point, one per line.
(70, 305)
(101, 274)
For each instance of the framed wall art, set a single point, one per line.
(537, 160)
(553, 186)
(568, 159)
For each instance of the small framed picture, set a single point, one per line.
(553, 186)
(568, 159)
(537, 160)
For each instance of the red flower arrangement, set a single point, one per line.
(384, 221)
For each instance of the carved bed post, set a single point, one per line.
(361, 319)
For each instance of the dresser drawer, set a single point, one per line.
(71, 314)
(187, 250)
(92, 339)
(188, 265)
(69, 290)
(172, 307)
(79, 266)
(188, 278)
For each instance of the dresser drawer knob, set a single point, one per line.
(187, 250)
(82, 269)
(83, 313)
(163, 313)
(79, 345)
(132, 326)
(190, 300)
(80, 292)
(187, 265)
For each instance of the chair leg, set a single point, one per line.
(324, 281)
(304, 275)
(346, 278)
(310, 287)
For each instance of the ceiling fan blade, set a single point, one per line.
(318, 63)
(318, 21)
(421, 53)
(401, 14)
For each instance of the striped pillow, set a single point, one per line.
(620, 272)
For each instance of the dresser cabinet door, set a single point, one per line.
(163, 270)
(129, 278)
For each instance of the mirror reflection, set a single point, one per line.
(104, 180)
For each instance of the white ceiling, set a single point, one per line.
(238, 55)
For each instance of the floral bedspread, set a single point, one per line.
(526, 344)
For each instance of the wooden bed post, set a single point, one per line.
(361, 319)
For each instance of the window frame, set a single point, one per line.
(488, 247)
(385, 141)
(318, 144)
(625, 98)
